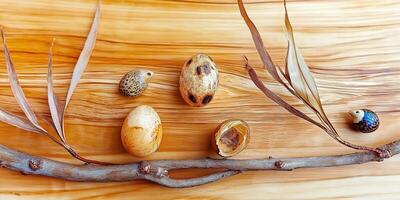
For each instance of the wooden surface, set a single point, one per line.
(352, 47)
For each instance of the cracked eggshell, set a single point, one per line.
(198, 80)
(230, 137)
(141, 131)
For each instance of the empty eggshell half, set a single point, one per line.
(230, 137)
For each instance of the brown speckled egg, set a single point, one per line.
(199, 80)
(135, 82)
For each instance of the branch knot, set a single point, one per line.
(146, 168)
(279, 164)
(35, 164)
(384, 153)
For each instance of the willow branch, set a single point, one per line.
(157, 171)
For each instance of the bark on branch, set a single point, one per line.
(157, 171)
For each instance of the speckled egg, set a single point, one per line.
(364, 120)
(198, 80)
(134, 83)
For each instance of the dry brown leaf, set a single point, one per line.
(300, 81)
(18, 122)
(283, 75)
(265, 57)
(286, 67)
(298, 71)
(276, 98)
(56, 110)
(301, 78)
(53, 102)
(16, 88)
(82, 62)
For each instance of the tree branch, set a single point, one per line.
(157, 171)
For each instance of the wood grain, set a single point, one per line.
(352, 47)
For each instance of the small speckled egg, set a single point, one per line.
(199, 80)
(135, 82)
(364, 120)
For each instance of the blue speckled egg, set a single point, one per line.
(364, 120)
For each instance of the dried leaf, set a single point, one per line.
(276, 98)
(54, 104)
(16, 87)
(265, 57)
(300, 76)
(18, 122)
(282, 73)
(286, 67)
(305, 87)
(298, 71)
(57, 111)
(82, 62)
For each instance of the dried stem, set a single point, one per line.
(300, 82)
(73, 153)
(157, 171)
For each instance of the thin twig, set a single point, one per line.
(157, 170)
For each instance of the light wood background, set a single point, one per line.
(352, 47)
